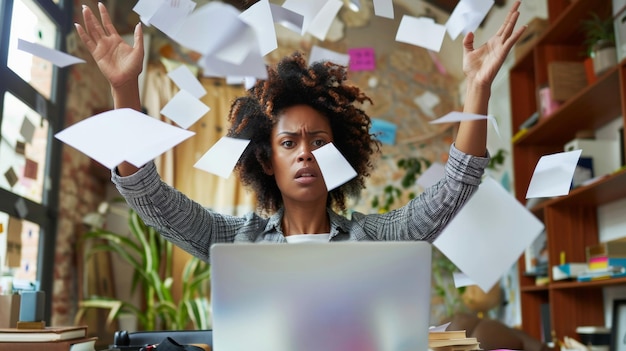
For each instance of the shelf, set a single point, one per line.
(592, 284)
(566, 27)
(534, 288)
(576, 113)
(606, 190)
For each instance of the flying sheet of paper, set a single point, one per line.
(461, 279)
(467, 16)
(184, 109)
(287, 18)
(222, 157)
(431, 175)
(56, 57)
(427, 102)
(147, 8)
(422, 32)
(318, 15)
(259, 17)
(186, 80)
(456, 116)
(383, 8)
(319, 53)
(439, 328)
(220, 20)
(496, 227)
(253, 66)
(114, 136)
(336, 170)
(553, 174)
(171, 15)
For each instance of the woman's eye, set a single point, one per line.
(288, 143)
(319, 143)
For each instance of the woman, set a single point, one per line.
(296, 110)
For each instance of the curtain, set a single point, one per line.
(176, 166)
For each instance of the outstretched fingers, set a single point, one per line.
(84, 37)
(92, 25)
(107, 24)
(507, 27)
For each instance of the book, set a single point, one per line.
(453, 342)
(79, 344)
(42, 335)
(446, 334)
(612, 248)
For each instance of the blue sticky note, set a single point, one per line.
(384, 131)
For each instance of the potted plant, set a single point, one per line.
(150, 256)
(600, 42)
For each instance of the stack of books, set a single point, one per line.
(605, 260)
(451, 340)
(64, 338)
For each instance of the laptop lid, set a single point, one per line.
(321, 296)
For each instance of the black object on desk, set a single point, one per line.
(134, 341)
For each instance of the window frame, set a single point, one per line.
(46, 213)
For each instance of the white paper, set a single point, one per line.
(467, 16)
(222, 157)
(383, 8)
(427, 102)
(324, 19)
(186, 80)
(553, 174)
(259, 17)
(321, 54)
(456, 116)
(422, 32)
(336, 170)
(431, 175)
(287, 18)
(147, 8)
(170, 16)
(318, 15)
(210, 28)
(119, 135)
(461, 279)
(252, 66)
(439, 328)
(57, 58)
(184, 109)
(488, 234)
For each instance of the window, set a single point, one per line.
(32, 105)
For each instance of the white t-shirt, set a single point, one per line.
(307, 238)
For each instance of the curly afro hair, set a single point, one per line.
(322, 86)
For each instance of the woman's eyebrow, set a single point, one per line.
(315, 132)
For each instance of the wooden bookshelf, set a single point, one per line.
(571, 221)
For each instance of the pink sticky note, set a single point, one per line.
(362, 59)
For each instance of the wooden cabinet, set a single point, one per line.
(571, 221)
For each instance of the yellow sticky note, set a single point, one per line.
(1, 228)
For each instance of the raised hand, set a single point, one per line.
(120, 63)
(481, 64)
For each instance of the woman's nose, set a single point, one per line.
(305, 154)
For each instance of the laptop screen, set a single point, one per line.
(321, 296)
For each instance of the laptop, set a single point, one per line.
(344, 296)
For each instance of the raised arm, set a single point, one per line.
(480, 66)
(119, 62)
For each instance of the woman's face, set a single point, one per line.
(300, 130)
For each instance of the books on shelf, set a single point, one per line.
(451, 340)
(77, 344)
(42, 335)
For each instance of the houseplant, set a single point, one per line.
(150, 256)
(600, 42)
